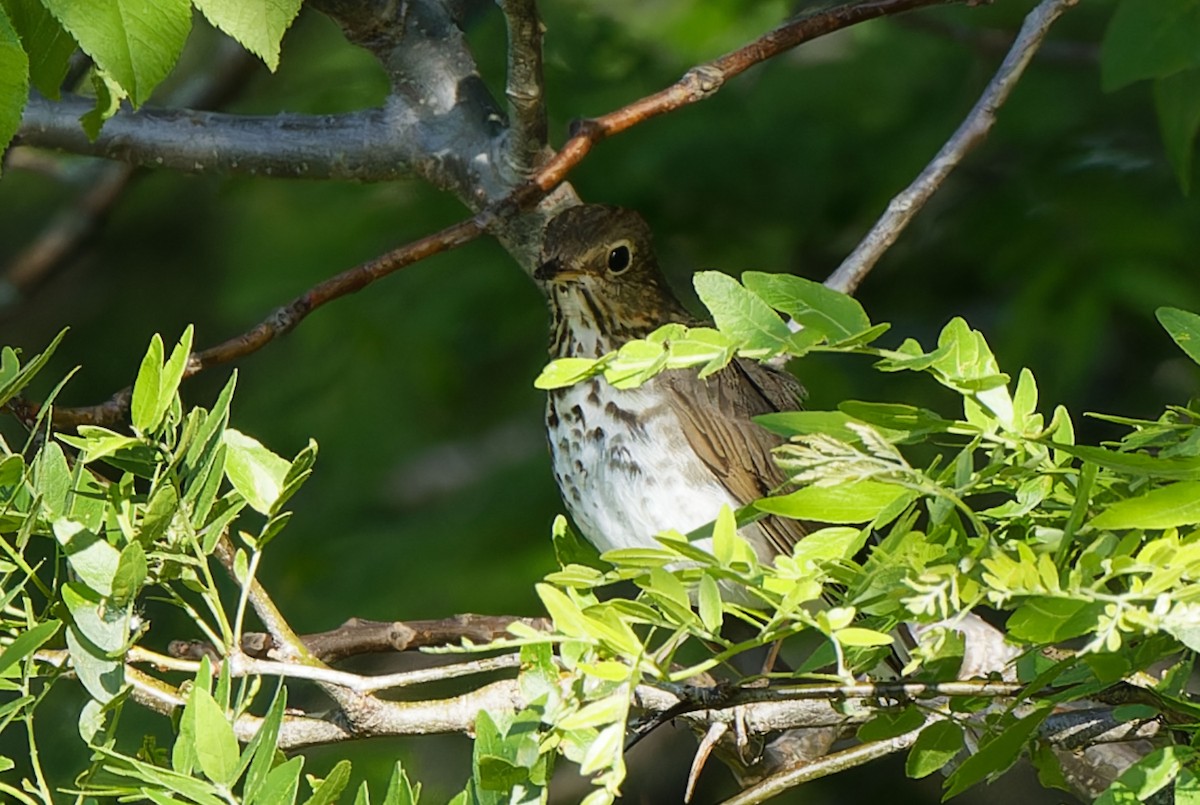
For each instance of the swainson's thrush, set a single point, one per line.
(668, 454)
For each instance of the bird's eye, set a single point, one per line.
(618, 259)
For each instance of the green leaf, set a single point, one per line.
(48, 45)
(1177, 101)
(14, 80)
(90, 556)
(160, 511)
(565, 372)
(856, 502)
(144, 403)
(1149, 39)
(109, 95)
(332, 786)
(1049, 620)
(935, 747)
(137, 43)
(216, 746)
(858, 636)
(400, 791)
(709, 603)
(1184, 327)
(1149, 775)
(895, 418)
(130, 575)
(96, 634)
(835, 315)
(1181, 469)
(996, 755)
(255, 472)
(740, 313)
(566, 613)
(27, 642)
(282, 783)
(831, 423)
(891, 723)
(258, 25)
(1167, 506)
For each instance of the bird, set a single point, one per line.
(669, 454)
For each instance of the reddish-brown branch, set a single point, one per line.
(699, 83)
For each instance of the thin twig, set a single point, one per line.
(525, 90)
(970, 133)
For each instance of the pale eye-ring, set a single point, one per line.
(619, 258)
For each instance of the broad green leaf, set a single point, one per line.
(995, 755)
(94, 561)
(52, 480)
(48, 45)
(258, 25)
(857, 502)
(936, 746)
(1180, 469)
(96, 633)
(332, 786)
(835, 315)
(740, 313)
(1049, 620)
(255, 472)
(27, 642)
(1177, 101)
(1187, 788)
(1149, 39)
(14, 80)
(1167, 506)
(833, 543)
(160, 511)
(137, 43)
(1183, 326)
(216, 746)
(566, 613)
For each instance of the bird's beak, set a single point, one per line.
(548, 270)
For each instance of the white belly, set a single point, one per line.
(619, 490)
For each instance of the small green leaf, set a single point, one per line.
(1167, 506)
(856, 502)
(130, 575)
(258, 25)
(282, 783)
(96, 633)
(936, 746)
(858, 636)
(740, 313)
(143, 404)
(255, 472)
(216, 746)
(565, 372)
(400, 791)
(1184, 327)
(565, 612)
(709, 603)
(1149, 775)
(835, 315)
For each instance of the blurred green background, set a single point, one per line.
(432, 495)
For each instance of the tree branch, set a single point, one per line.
(370, 145)
(970, 133)
(527, 136)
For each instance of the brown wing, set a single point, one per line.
(716, 416)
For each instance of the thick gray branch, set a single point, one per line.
(367, 146)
